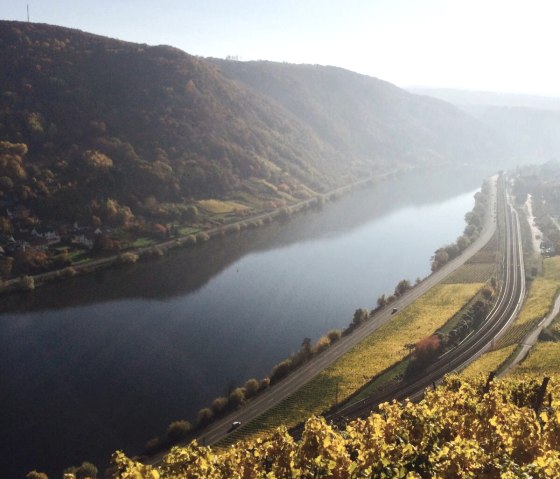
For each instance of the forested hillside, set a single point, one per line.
(527, 125)
(107, 145)
(367, 119)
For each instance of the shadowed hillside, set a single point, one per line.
(366, 119)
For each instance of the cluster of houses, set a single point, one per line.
(41, 236)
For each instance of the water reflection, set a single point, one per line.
(184, 271)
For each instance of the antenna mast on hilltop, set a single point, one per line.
(28, 13)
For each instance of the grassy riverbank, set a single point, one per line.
(219, 218)
(382, 349)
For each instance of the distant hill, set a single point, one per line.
(529, 125)
(368, 120)
(488, 98)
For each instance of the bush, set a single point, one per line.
(237, 397)
(204, 415)
(334, 335)
(153, 445)
(190, 240)
(281, 370)
(322, 344)
(36, 475)
(86, 471)
(27, 283)
(265, 383)
(360, 315)
(251, 387)
(178, 430)
(219, 404)
(127, 258)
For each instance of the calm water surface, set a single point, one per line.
(107, 361)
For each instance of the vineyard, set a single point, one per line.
(382, 349)
(538, 303)
(478, 269)
(465, 428)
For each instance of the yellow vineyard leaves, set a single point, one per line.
(462, 429)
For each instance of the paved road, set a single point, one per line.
(304, 374)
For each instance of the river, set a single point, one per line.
(106, 361)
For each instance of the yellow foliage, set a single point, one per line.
(488, 362)
(220, 207)
(457, 431)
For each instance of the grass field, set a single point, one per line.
(542, 293)
(472, 273)
(379, 351)
(143, 242)
(218, 207)
(543, 359)
(488, 362)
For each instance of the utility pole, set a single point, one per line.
(28, 13)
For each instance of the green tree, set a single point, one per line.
(360, 315)
(402, 287)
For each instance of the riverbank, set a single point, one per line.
(131, 255)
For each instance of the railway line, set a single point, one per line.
(500, 317)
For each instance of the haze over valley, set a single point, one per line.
(222, 218)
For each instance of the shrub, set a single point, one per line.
(204, 415)
(86, 471)
(322, 343)
(36, 475)
(27, 283)
(360, 315)
(127, 258)
(281, 370)
(202, 237)
(334, 335)
(265, 382)
(237, 397)
(153, 445)
(251, 387)
(219, 404)
(178, 430)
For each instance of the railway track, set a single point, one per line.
(498, 320)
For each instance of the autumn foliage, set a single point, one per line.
(463, 429)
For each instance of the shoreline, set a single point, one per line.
(27, 283)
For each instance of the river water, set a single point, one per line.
(105, 362)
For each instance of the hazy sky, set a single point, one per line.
(497, 45)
